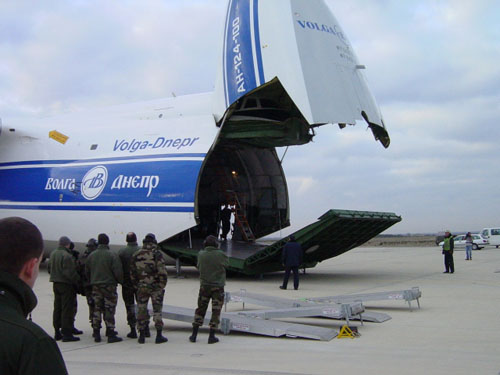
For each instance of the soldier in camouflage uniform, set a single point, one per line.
(128, 292)
(148, 273)
(105, 271)
(87, 288)
(212, 264)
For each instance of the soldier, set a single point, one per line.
(148, 273)
(212, 264)
(104, 271)
(87, 288)
(128, 292)
(25, 348)
(63, 275)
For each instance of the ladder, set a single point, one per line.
(239, 215)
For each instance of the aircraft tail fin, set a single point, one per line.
(300, 43)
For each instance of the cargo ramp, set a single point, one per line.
(334, 233)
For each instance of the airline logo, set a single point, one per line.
(93, 182)
(159, 143)
(316, 26)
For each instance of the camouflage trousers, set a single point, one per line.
(216, 294)
(105, 299)
(129, 298)
(90, 302)
(143, 296)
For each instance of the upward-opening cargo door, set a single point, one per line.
(287, 67)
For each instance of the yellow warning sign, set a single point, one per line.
(345, 331)
(59, 137)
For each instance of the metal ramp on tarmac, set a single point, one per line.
(332, 310)
(262, 322)
(233, 321)
(407, 295)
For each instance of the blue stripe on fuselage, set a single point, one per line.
(240, 72)
(98, 208)
(102, 160)
(35, 183)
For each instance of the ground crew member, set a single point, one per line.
(148, 274)
(291, 258)
(105, 271)
(225, 218)
(87, 288)
(25, 348)
(63, 275)
(448, 246)
(212, 264)
(128, 292)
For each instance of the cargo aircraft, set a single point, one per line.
(167, 166)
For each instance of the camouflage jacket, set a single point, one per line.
(148, 268)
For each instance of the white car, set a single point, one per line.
(478, 242)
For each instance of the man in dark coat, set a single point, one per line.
(291, 258)
(25, 348)
(128, 292)
(64, 276)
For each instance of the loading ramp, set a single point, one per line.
(407, 295)
(264, 322)
(233, 321)
(334, 233)
(332, 310)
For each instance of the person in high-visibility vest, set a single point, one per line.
(448, 246)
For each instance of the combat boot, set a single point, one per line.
(133, 333)
(142, 337)
(97, 335)
(160, 339)
(113, 337)
(111, 332)
(211, 337)
(58, 335)
(192, 338)
(147, 333)
(70, 338)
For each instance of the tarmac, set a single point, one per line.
(456, 330)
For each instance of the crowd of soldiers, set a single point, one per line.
(142, 273)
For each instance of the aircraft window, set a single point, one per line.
(251, 103)
(93, 147)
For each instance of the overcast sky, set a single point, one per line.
(433, 66)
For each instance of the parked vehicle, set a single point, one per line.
(492, 235)
(478, 242)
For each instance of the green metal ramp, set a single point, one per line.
(335, 232)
